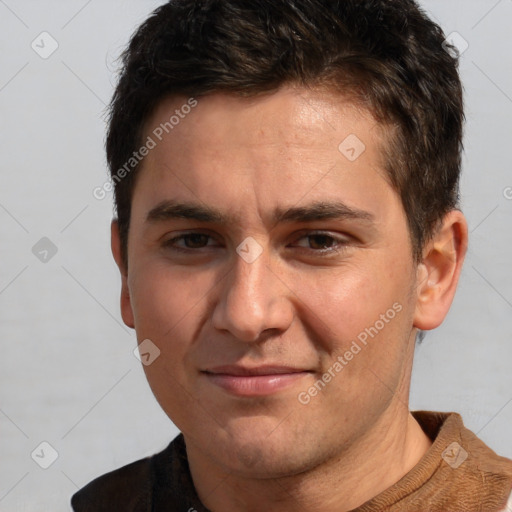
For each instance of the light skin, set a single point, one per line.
(320, 281)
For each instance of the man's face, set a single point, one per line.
(261, 254)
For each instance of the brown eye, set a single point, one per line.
(189, 241)
(321, 241)
(195, 240)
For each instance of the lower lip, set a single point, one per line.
(255, 385)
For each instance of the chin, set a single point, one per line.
(257, 449)
(259, 461)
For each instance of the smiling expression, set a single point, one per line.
(257, 253)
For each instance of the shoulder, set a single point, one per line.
(126, 489)
(463, 470)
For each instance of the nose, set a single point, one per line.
(253, 299)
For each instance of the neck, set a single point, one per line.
(378, 460)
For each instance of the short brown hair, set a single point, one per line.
(387, 53)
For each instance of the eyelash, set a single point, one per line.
(341, 242)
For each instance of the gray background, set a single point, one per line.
(68, 375)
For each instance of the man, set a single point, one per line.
(286, 182)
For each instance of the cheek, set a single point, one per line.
(361, 315)
(165, 299)
(167, 379)
(169, 305)
(347, 300)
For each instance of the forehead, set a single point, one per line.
(290, 114)
(225, 150)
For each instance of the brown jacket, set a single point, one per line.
(459, 473)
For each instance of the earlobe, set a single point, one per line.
(438, 273)
(126, 306)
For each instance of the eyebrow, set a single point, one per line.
(322, 210)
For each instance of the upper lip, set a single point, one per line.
(256, 370)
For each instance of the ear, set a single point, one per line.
(126, 306)
(438, 273)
